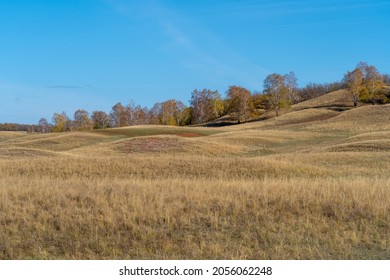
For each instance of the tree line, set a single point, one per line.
(364, 83)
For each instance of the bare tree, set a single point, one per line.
(206, 105)
(141, 115)
(44, 126)
(130, 111)
(154, 114)
(119, 116)
(82, 120)
(291, 82)
(277, 91)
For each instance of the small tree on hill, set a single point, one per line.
(170, 112)
(372, 84)
(82, 120)
(61, 122)
(100, 120)
(206, 105)
(277, 91)
(140, 115)
(44, 126)
(354, 83)
(239, 101)
(119, 116)
(154, 114)
(291, 82)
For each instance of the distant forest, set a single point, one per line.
(364, 83)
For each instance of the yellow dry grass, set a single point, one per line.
(373, 118)
(180, 218)
(340, 98)
(312, 184)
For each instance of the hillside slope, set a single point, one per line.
(337, 100)
(310, 123)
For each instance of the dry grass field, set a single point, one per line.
(311, 184)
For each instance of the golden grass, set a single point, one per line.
(61, 142)
(10, 135)
(340, 98)
(307, 185)
(204, 219)
(371, 118)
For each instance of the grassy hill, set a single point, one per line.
(337, 100)
(310, 184)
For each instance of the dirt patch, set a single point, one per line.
(148, 145)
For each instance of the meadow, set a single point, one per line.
(313, 183)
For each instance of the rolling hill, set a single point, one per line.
(310, 184)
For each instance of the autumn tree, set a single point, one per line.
(261, 101)
(365, 83)
(82, 120)
(61, 122)
(154, 114)
(119, 116)
(140, 115)
(239, 101)
(170, 112)
(100, 120)
(185, 116)
(206, 105)
(277, 91)
(178, 112)
(353, 81)
(372, 83)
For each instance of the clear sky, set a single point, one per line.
(68, 54)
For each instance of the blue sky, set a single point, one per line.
(64, 55)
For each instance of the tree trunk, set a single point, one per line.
(355, 99)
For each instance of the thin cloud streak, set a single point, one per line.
(188, 53)
(63, 87)
(69, 87)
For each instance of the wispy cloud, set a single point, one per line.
(63, 87)
(69, 87)
(189, 43)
